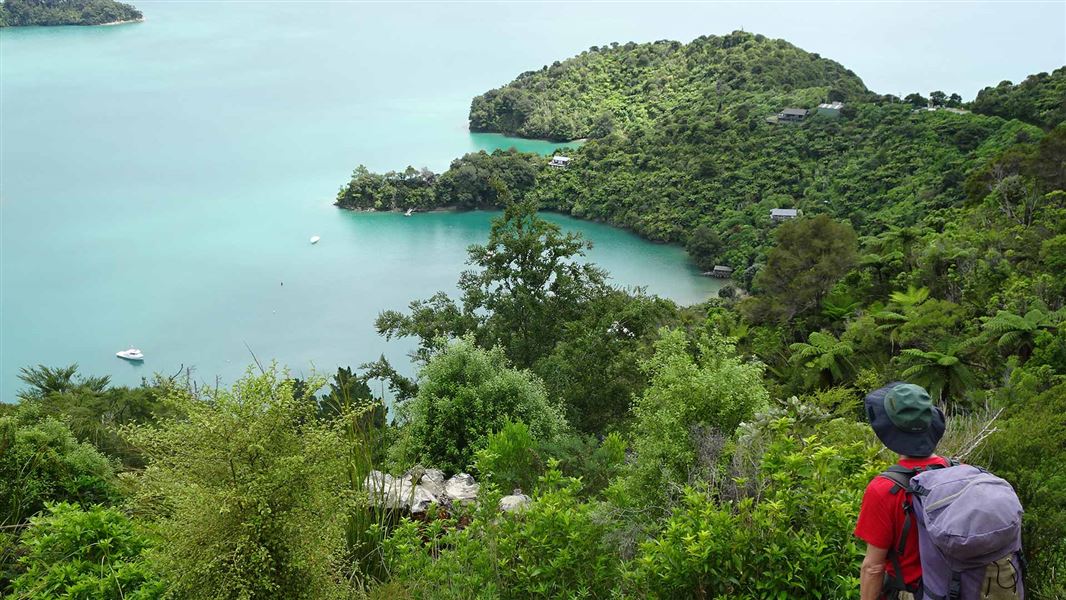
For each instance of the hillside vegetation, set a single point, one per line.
(632, 85)
(17, 13)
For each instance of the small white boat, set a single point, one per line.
(314, 239)
(410, 211)
(131, 354)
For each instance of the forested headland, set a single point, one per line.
(18, 13)
(709, 451)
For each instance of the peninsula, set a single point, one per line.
(22, 13)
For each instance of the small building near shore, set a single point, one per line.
(721, 272)
(559, 162)
(792, 115)
(783, 214)
(830, 109)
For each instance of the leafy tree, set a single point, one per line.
(916, 100)
(466, 394)
(811, 255)
(248, 494)
(692, 398)
(93, 411)
(594, 369)
(530, 282)
(704, 246)
(70, 552)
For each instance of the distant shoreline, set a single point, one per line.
(141, 20)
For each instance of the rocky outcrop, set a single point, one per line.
(420, 488)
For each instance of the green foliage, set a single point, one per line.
(93, 410)
(944, 374)
(826, 358)
(811, 255)
(695, 400)
(531, 281)
(704, 246)
(1037, 100)
(248, 494)
(791, 540)
(583, 457)
(92, 553)
(470, 182)
(557, 547)
(620, 86)
(14, 13)
(41, 461)
(594, 368)
(466, 394)
(510, 459)
(528, 282)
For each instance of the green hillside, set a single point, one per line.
(17, 13)
(631, 85)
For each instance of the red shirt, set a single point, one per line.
(881, 520)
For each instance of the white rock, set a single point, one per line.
(516, 502)
(461, 488)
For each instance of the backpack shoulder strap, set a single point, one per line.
(900, 476)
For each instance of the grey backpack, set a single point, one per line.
(969, 525)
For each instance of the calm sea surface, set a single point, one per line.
(159, 181)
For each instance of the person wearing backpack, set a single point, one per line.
(934, 529)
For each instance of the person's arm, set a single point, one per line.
(872, 574)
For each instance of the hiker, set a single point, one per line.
(907, 423)
(960, 523)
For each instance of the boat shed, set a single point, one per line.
(721, 272)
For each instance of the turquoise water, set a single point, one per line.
(160, 182)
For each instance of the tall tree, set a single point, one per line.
(811, 255)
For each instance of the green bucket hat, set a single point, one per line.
(905, 419)
(908, 407)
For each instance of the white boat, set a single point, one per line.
(131, 354)
(410, 211)
(314, 239)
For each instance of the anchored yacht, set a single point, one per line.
(131, 354)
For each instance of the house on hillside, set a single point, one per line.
(783, 214)
(721, 272)
(792, 115)
(830, 109)
(559, 162)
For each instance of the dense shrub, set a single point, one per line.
(793, 540)
(41, 461)
(695, 397)
(94, 553)
(465, 394)
(248, 493)
(556, 548)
